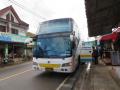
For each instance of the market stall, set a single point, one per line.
(111, 46)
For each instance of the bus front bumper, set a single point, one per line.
(60, 69)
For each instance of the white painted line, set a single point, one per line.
(11, 76)
(88, 67)
(59, 87)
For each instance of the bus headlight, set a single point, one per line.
(67, 64)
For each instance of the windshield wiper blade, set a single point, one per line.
(51, 50)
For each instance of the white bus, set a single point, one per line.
(56, 46)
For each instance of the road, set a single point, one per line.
(22, 77)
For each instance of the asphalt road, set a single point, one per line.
(22, 77)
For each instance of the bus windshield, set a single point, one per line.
(53, 47)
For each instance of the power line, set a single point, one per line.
(26, 9)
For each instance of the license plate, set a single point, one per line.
(50, 65)
(49, 69)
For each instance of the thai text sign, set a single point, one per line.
(6, 37)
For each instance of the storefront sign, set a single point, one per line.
(6, 37)
(18, 38)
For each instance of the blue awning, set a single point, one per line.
(5, 38)
(13, 38)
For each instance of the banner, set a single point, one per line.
(6, 37)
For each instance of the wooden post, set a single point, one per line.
(25, 52)
(6, 53)
(13, 53)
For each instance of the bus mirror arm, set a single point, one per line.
(73, 44)
(71, 37)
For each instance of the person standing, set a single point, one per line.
(101, 53)
(95, 55)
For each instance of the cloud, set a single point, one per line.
(51, 9)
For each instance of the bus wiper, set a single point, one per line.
(54, 56)
(51, 50)
(41, 51)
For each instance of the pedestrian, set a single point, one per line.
(95, 55)
(101, 52)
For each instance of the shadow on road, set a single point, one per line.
(51, 75)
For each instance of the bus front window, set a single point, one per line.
(54, 47)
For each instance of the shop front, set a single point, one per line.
(111, 47)
(12, 48)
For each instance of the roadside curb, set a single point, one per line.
(71, 81)
(77, 77)
(82, 79)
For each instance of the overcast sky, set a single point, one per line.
(35, 11)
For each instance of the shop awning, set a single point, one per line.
(102, 16)
(109, 37)
(5, 38)
(117, 30)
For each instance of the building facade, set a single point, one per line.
(12, 36)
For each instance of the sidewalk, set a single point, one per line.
(116, 70)
(100, 77)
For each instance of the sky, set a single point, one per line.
(35, 11)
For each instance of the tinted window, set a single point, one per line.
(53, 47)
(55, 26)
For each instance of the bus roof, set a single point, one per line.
(58, 20)
(56, 26)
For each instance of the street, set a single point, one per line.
(22, 77)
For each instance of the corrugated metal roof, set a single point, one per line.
(102, 16)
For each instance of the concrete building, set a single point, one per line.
(12, 36)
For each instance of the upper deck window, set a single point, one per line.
(53, 26)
